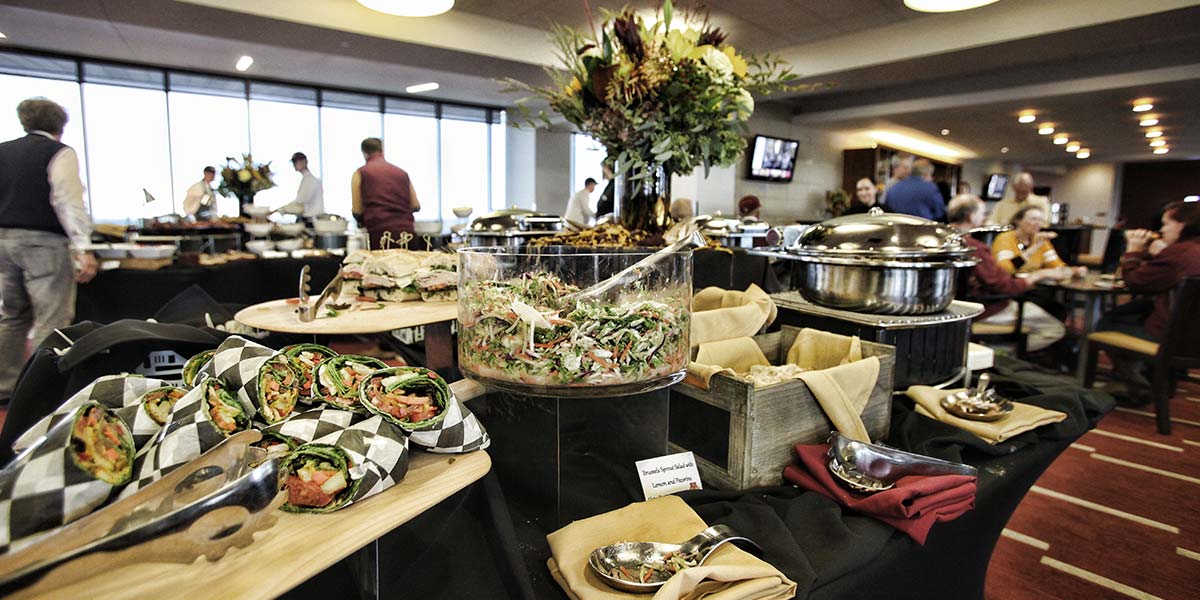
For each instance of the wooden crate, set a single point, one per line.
(743, 438)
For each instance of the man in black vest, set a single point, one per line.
(42, 220)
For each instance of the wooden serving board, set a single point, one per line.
(296, 548)
(278, 315)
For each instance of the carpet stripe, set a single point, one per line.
(1028, 539)
(1187, 553)
(1150, 414)
(1100, 580)
(1191, 443)
(1192, 398)
(1141, 467)
(1136, 440)
(1104, 509)
(1079, 446)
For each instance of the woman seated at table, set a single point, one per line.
(990, 283)
(1026, 249)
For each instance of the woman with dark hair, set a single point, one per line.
(865, 197)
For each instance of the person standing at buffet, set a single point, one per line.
(901, 168)
(43, 222)
(1023, 196)
(198, 202)
(579, 209)
(606, 204)
(916, 195)
(382, 195)
(749, 208)
(864, 197)
(310, 196)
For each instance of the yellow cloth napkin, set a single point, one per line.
(732, 356)
(719, 314)
(814, 350)
(843, 392)
(729, 574)
(1023, 417)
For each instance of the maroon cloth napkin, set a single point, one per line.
(912, 506)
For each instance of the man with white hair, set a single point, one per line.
(1022, 196)
(902, 164)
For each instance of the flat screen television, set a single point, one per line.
(772, 159)
(994, 186)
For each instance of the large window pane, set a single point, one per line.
(499, 151)
(464, 166)
(586, 156)
(411, 144)
(204, 131)
(14, 89)
(342, 131)
(277, 130)
(127, 143)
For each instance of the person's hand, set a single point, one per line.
(1156, 246)
(1079, 272)
(85, 267)
(1047, 275)
(1044, 236)
(1137, 239)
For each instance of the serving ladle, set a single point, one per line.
(637, 270)
(634, 555)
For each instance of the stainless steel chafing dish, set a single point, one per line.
(730, 231)
(511, 227)
(881, 263)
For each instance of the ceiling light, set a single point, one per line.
(423, 87)
(1027, 117)
(1046, 129)
(2, 36)
(945, 132)
(1142, 105)
(1060, 140)
(1083, 153)
(1148, 122)
(940, 6)
(1191, 198)
(409, 8)
(1158, 142)
(1073, 147)
(917, 145)
(244, 63)
(1004, 150)
(1162, 150)
(1153, 133)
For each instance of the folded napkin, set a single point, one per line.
(1024, 417)
(730, 356)
(729, 574)
(814, 350)
(912, 506)
(719, 314)
(843, 392)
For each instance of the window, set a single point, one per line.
(498, 153)
(14, 89)
(204, 131)
(464, 167)
(126, 131)
(342, 130)
(277, 130)
(586, 156)
(410, 142)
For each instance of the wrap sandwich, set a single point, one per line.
(338, 379)
(306, 358)
(412, 398)
(158, 402)
(275, 443)
(191, 369)
(101, 445)
(317, 478)
(223, 409)
(278, 389)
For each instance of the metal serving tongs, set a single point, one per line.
(332, 291)
(633, 555)
(870, 468)
(636, 270)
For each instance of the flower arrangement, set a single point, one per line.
(243, 178)
(656, 96)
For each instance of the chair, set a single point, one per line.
(1179, 350)
(1017, 333)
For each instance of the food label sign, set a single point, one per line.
(668, 474)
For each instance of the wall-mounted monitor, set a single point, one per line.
(994, 186)
(772, 159)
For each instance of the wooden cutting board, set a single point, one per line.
(278, 315)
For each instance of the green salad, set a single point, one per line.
(520, 330)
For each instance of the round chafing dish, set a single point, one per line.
(881, 263)
(511, 227)
(731, 232)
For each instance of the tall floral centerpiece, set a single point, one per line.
(661, 100)
(243, 178)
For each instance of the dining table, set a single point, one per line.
(1094, 288)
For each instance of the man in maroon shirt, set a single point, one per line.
(988, 280)
(383, 197)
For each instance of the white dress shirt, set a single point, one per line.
(66, 196)
(310, 195)
(1008, 208)
(579, 209)
(195, 197)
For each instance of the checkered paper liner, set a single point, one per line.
(236, 363)
(378, 450)
(44, 489)
(460, 431)
(121, 393)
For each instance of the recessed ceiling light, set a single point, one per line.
(1191, 198)
(945, 132)
(2, 36)
(1060, 140)
(1158, 142)
(1148, 122)
(1004, 150)
(1083, 153)
(1142, 105)
(1153, 133)
(423, 87)
(409, 8)
(1027, 117)
(1046, 129)
(1162, 150)
(1073, 147)
(244, 63)
(939, 6)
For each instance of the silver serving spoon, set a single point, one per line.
(636, 270)
(634, 555)
(875, 467)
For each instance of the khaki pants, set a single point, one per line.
(37, 295)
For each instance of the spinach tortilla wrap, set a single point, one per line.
(338, 379)
(102, 445)
(191, 369)
(158, 402)
(223, 409)
(278, 389)
(306, 358)
(317, 478)
(411, 398)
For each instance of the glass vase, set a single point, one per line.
(644, 199)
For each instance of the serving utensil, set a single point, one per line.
(978, 404)
(308, 313)
(635, 271)
(876, 467)
(632, 556)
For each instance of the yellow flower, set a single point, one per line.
(244, 175)
(739, 63)
(573, 87)
(679, 44)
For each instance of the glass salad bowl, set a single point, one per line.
(524, 327)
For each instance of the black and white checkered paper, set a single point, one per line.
(236, 363)
(188, 434)
(378, 450)
(44, 489)
(120, 393)
(460, 431)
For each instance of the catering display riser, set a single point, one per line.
(570, 458)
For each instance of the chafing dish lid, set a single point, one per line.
(513, 220)
(880, 234)
(718, 225)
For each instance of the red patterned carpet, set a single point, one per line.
(1116, 516)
